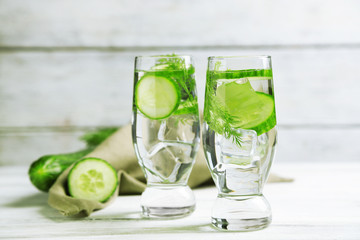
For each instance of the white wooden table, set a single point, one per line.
(322, 203)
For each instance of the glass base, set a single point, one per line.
(241, 213)
(167, 201)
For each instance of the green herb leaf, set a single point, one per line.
(218, 119)
(173, 66)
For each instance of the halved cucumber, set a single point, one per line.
(252, 110)
(157, 97)
(266, 117)
(92, 179)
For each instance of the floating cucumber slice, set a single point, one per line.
(92, 179)
(252, 110)
(157, 97)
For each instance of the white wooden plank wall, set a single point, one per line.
(67, 66)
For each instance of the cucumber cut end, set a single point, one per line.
(92, 179)
(157, 97)
(252, 110)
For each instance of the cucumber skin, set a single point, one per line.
(270, 122)
(44, 171)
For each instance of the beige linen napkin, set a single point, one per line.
(118, 151)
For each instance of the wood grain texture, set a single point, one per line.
(320, 204)
(177, 23)
(19, 146)
(67, 65)
(95, 88)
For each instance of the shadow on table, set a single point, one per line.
(160, 228)
(39, 201)
(139, 224)
(33, 200)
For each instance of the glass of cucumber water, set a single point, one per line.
(239, 139)
(166, 132)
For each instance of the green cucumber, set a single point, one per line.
(92, 179)
(157, 97)
(252, 110)
(44, 171)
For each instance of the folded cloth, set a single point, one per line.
(119, 152)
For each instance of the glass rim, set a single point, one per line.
(163, 56)
(240, 57)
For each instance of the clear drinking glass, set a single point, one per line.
(166, 132)
(239, 139)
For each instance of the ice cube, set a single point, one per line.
(230, 149)
(162, 131)
(176, 129)
(262, 145)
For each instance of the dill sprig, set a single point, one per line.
(174, 67)
(215, 114)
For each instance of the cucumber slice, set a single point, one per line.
(252, 110)
(157, 97)
(266, 119)
(92, 179)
